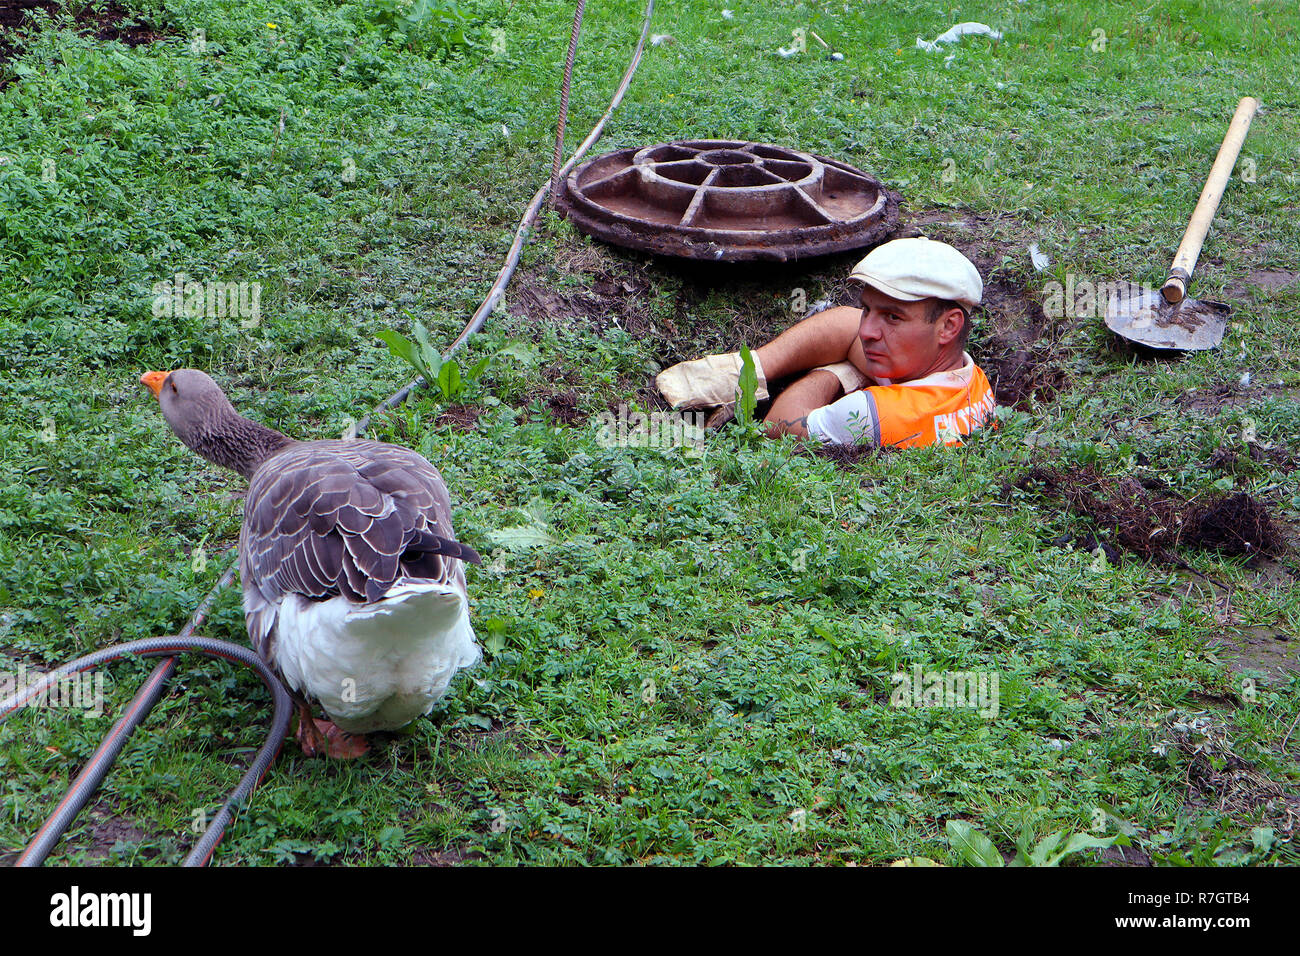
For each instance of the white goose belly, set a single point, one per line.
(376, 666)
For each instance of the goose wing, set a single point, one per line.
(347, 518)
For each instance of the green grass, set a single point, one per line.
(704, 647)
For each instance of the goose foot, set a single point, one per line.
(321, 737)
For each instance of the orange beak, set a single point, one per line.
(155, 381)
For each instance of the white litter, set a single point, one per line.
(727, 15)
(1244, 381)
(837, 56)
(790, 52)
(954, 35)
(1038, 257)
(821, 305)
(659, 39)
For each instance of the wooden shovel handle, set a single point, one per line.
(1189, 250)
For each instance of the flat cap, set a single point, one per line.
(915, 269)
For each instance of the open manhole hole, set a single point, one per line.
(727, 200)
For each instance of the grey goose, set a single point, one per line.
(353, 581)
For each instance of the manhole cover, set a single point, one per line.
(727, 200)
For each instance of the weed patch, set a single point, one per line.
(109, 21)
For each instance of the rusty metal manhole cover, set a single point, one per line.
(727, 200)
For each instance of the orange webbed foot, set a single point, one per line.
(321, 737)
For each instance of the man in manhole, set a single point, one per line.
(893, 371)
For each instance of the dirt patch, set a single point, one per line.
(453, 856)
(845, 456)
(1214, 397)
(460, 418)
(1233, 787)
(107, 831)
(1242, 792)
(660, 299)
(563, 407)
(1270, 279)
(608, 294)
(1258, 649)
(109, 22)
(1150, 520)
(1233, 394)
(1218, 778)
(1124, 856)
(1021, 377)
(107, 828)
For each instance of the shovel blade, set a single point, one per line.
(1143, 316)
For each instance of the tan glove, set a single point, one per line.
(712, 380)
(850, 378)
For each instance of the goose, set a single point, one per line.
(353, 581)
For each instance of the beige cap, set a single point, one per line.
(915, 269)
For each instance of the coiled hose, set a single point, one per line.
(97, 767)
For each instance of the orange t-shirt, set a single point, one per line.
(939, 408)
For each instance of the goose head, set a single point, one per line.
(202, 417)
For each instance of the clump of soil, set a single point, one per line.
(1235, 524)
(110, 22)
(563, 407)
(461, 418)
(845, 456)
(1240, 459)
(1152, 521)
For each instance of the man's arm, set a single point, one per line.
(821, 339)
(789, 413)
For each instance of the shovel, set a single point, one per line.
(1168, 319)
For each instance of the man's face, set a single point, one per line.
(898, 339)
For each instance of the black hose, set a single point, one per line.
(97, 767)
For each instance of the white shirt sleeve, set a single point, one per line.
(853, 420)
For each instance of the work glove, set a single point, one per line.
(712, 380)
